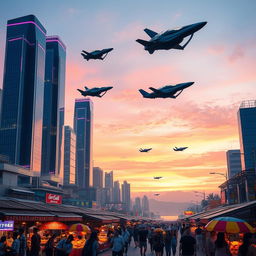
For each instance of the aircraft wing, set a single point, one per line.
(150, 33)
(154, 89)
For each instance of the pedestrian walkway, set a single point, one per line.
(136, 251)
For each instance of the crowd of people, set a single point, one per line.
(160, 238)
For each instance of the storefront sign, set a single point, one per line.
(53, 199)
(7, 225)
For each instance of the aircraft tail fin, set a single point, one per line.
(150, 33)
(85, 56)
(144, 93)
(143, 42)
(85, 52)
(81, 91)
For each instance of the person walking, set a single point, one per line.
(35, 243)
(15, 248)
(143, 235)
(65, 246)
(168, 243)
(187, 243)
(126, 237)
(221, 246)
(50, 246)
(23, 243)
(117, 244)
(210, 246)
(199, 239)
(136, 236)
(151, 239)
(174, 242)
(91, 246)
(159, 244)
(3, 246)
(243, 249)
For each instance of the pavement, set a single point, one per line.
(136, 251)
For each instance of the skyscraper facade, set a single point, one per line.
(247, 134)
(83, 130)
(54, 101)
(233, 162)
(116, 193)
(97, 177)
(126, 196)
(145, 206)
(69, 156)
(23, 88)
(137, 207)
(109, 182)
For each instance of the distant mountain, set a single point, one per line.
(167, 208)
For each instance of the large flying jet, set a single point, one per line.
(144, 150)
(96, 91)
(158, 177)
(179, 149)
(170, 39)
(168, 91)
(156, 194)
(96, 55)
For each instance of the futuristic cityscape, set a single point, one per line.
(111, 148)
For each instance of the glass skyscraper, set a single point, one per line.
(23, 88)
(69, 156)
(54, 101)
(83, 130)
(247, 134)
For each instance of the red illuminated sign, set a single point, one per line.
(53, 199)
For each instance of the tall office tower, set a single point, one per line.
(97, 177)
(116, 192)
(23, 89)
(83, 130)
(54, 100)
(126, 196)
(137, 206)
(233, 162)
(109, 180)
(247, 134)
(69, 156)
(145, 206)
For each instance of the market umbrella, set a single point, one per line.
(229, 225)
(79, 227)
(54, 226)
(160, 230)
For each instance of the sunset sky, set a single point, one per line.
(220, 59)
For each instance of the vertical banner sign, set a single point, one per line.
(53, 199)
(7, 225)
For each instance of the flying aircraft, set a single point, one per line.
(168, 91)
(170, 39)
(158, 178)
(96, 55)
(179, 149)
(96, 91)
(156, 194)
(144, 150)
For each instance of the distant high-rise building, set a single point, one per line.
(247, 134)
(126, 196)
(145, 206)
(83, 130)
(233, 162)
(97, 177)
(116, 192)
(23, 89)
(54, 100)
(69, 156)
(109, 180)
(137, 206)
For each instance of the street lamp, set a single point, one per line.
(202, 193)
(226, 177)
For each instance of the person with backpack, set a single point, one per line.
(91, 246)
(23, 243)
(65, 246)
(126, 237)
